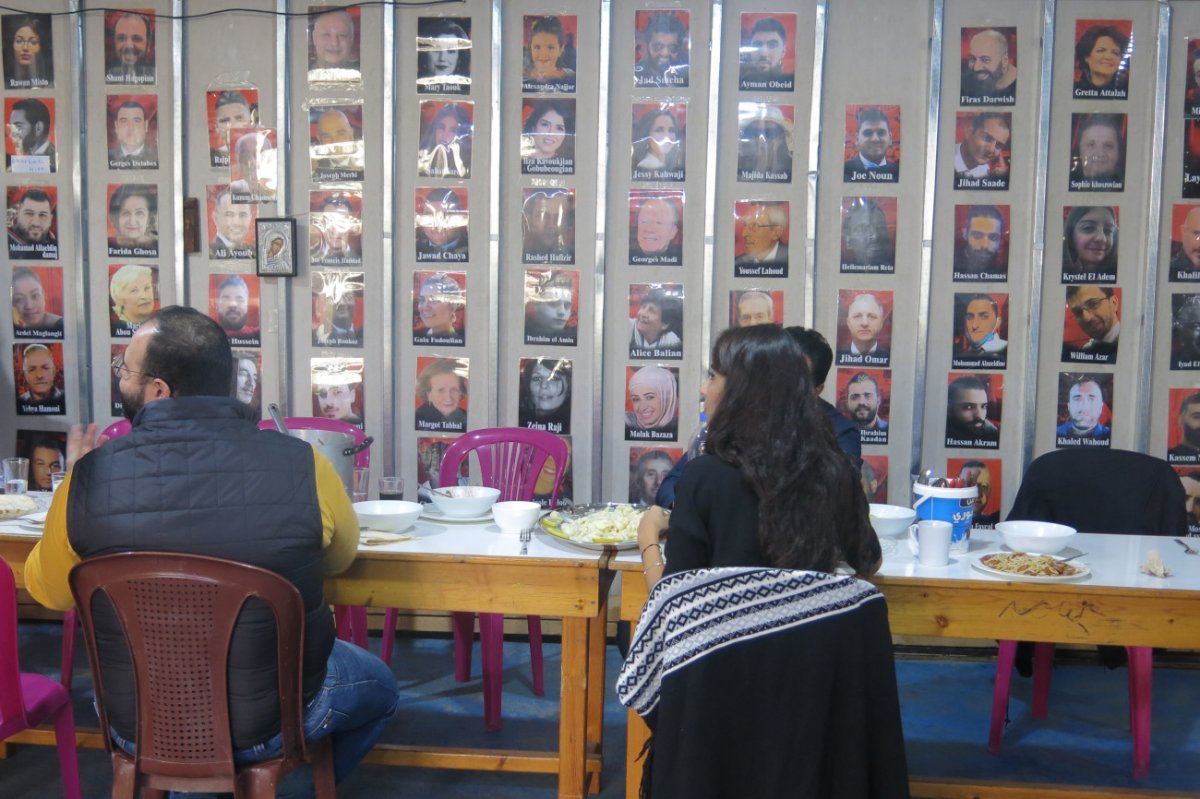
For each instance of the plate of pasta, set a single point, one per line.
(596, 526)
(1024, 567)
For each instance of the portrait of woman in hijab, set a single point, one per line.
(654, 403)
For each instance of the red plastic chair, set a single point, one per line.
(351, 619)
(26, 700)
(510, 459)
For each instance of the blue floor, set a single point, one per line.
(946, 704)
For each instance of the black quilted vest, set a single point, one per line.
(196, 475)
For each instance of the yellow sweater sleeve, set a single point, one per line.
(338, 519)
(52, 559)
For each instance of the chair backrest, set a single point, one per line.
(177, 613)
(362, 460)
(1103, 491)
(510, 459)
(11, 706)
(117, 429)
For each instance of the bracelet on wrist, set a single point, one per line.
(660, 564)
(655, 544)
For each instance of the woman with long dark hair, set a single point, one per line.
(772, 488)
(28, 53)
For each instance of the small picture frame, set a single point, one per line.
(275, 247)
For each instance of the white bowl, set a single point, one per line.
(513, 517)
(1037, 538)
(890, 520)
(464, 501)
(387, 515)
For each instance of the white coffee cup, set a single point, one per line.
(933, 541)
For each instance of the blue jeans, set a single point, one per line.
(354, 704)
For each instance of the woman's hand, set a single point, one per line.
(652, 526)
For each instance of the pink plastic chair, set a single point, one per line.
(26, 700)
(510, 459)
(351, 619)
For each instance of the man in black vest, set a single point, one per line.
(196, 475)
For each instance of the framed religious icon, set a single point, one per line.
(275, 246)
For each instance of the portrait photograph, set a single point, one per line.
(868, 235)
(1103, 53)
(39, 379)
(543, 489)
(334, 36)
(552, 307)
(37, 302)
(1091, 324)
(765, 143)
(447, 130)
(443, 55)
(548, 226)
(442, 222)
(335, 228)
(1184, 266)
(659, 137)
(1191, 100)
(980, 331)
(430, 451)
(247, 379)
(1090, 239)
(760, 238)
(767, 61)
(1191, 159)
(1185, 331)
(32, 223)
(336, 149)
(864, 397)
(254, 168)
(548, 54)
(1189, 477)
(1084, 410)
(874, 477)
(46, 451)
(129, 47)
(231, 225)
(234, 302)
(132, 131)
(982, 155)
(228, 109)
(989, 66)
(872, 146)
(1098, 152)
(655, 320)
(864, 334)
(28, 51)
(985, 475)
(133, 296)
(441, 394)
(337, 386)
(981, 243)
(337, 308)
(544, 395)
(648, 467)
(655, 227)
(662, 51)
(132, 220)
(973, 410)
(440, 308)
(1183, 426)
(548, 136)
(29, 146)
(651, 403)
(116, 403)
(748, 307)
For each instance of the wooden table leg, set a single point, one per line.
(597, 683)
(572, 720)
(636, 735)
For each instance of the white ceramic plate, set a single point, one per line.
(578, 512)
(1084, 572)
(433, 514)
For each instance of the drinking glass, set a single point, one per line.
(362, 484)
(391, 488)
(16, 475)
(56, 479)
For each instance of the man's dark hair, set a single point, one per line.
(1190, 399)
(48, 442)
(978, 121)
(35, 195)
(232, 98)
(233, 280)
(984, 212)
(1107, 291)
(863, 377)
(769, 25)
(133, 104)
(189, 352)
(871, 114)
(816, 349)
(974, 465)
(983, 298)
(666, 22)
(1086, 378)
(966, 383)
(36, 112)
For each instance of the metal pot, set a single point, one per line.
(338, 448)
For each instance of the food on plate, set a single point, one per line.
(14, 505)
(1032, 565)
(615, 525)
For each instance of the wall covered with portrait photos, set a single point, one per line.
(429, 219)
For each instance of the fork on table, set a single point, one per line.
(526, 537)
(1185, 546)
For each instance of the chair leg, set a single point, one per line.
(491, 647)
(464, 638)
(1043, 668)
(389, 635)
(68, 648)
(68, 758)
(1004, 667)
(535, 655)
(1141, 669)
(322, 770)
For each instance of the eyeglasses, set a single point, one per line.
(1088, 306)
(118, 365)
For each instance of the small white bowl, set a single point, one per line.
(387, 515)
(1036, 538)
(464, 501)
(513, 517)
(891, 520)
